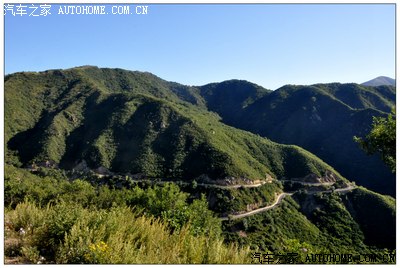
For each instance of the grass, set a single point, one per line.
(66, 233)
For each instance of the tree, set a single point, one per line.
(382, 139)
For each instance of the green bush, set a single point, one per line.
(67, 233)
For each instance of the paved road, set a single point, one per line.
(235, 186)
(276, 202)
(279, 200)
(312, 183)
(264, 182)
(346, 190)
(340, 190)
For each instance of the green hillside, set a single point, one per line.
(78, 222)
(322, 118)
(363, 203)
(230, 97)
(134, 122)
(319, 224)
(100, 163)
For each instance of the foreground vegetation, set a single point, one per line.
(68, 233)
(52, 220)
(382, 139)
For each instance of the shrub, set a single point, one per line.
(69, 233)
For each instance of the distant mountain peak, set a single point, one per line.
(380, 81)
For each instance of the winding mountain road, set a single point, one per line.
(279, 200)
(311, 183)
(234, 186)
(339, 190)
(258, 210)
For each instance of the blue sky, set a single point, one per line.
(270, 44)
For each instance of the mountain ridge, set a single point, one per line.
(144, 128)
(380, 81)
(322, 115)
(108, 137)
(322, 118)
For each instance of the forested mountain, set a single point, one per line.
(135, 122)
(194, 165)
(321, 118)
